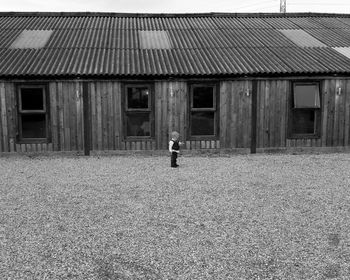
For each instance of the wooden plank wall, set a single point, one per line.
(336, 113)
(171, 113)
(66, 116)
(107, 125)
(171, 106)
(272, 98)
(8, 120)
(335, 120)
(105, 115)
(4, 125)
(235, 114)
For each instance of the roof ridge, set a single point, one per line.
(211, 14)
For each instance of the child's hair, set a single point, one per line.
(175, 135)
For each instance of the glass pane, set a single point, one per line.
(203, 97)
(304, 122)
(306, 96)
(138, 97)
(138, 124)
(202, 123)
(33, 126)
(32, 98)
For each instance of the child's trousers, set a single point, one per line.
(173, 159)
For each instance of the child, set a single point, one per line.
(174, 148)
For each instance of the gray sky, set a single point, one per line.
(178, 6)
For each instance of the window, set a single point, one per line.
(138, 111)
(203, 112)
(305, 112)
(33, 113)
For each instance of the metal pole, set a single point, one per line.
(283, 6)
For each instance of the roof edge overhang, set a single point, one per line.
(211, 14)
(175, 77)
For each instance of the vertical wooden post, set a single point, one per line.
(254, 117)
(86, 114)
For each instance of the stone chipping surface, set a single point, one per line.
(133, 217)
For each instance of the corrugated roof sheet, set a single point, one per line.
(302, 38)
(199, 44)
(331, 37)
(344, 51)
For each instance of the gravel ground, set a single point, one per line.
(133, 217)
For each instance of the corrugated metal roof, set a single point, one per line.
(330, 22)
(331, 37)
(344, 51)
(204, 44)
(305, 22)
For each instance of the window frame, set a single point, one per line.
(126, 110)
(317, 112)
(45, 111)
(214, 109)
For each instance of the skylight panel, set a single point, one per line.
(301, 38)
(32, 39)
(154, 39)
(344, 51)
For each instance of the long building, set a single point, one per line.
(108, 82)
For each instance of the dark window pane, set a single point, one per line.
(202, 123)
(32, 98)
(138, 124)
(138, 97)
(33, 126)
(306, 96)
(203, 97)
(304, 121)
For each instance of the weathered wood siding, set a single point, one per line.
(272, 122)
(107, 125)
(8, 118)
(171, 107)
(65, 119)
(105, 115)
(171, 113)
(235, 114)
(272, 113)
(66, 116)
(336, 113)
